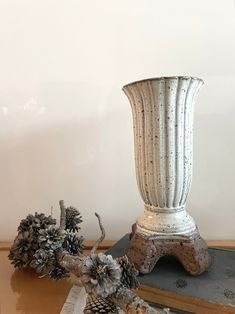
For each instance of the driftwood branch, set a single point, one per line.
(72, 264)
(130, 303)
(99, 241)
(124, 298)
(62, 215)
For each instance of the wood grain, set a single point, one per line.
(24, 292)
(224, 244)
(105, 245)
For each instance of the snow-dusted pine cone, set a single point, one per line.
(73, 243)
(43, 261)
(129, 273)
(58, 273)
(73, 219)
(21, 250)
(36, 222)
(50, 238)
(26, 242)
(101, 274)
(99, 305)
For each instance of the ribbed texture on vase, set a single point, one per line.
(163, 128)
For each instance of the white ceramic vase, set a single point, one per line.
(162, 111)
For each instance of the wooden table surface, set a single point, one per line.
(23, 292)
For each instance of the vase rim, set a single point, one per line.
(164, 78)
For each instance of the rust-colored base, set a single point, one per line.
(192, 252)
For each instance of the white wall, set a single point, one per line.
(66, 126)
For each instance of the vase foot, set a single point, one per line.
(192, 252)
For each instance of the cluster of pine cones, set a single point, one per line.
(39, 243)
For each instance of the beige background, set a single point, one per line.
(66, 126)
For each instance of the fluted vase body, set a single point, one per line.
(162, 111)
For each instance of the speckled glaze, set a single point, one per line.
(191, 251)
(163, 131)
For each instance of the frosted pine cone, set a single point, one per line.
(73, 219)
(50, 238)
(101, 274)
(20, 251)
(73, 243)
(26, 242)
(99, 305)
(129, 273)
(58, 273)
(43, 261)
(36, 222)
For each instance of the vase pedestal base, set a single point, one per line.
(192, 251)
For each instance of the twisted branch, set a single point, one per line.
(62, 215)
(99, 241)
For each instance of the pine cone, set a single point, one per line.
(26, 242)
(58, 273)
(50, 238)
(36, 222)
(129, 273)
(73, 219)
(21, 250)
(43, 261)
(101, 274)
(73, 243)
(99, 305)
(25, 224)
